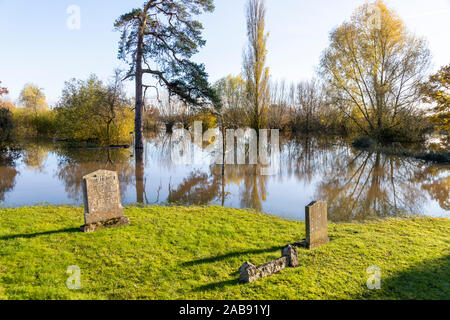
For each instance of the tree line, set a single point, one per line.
(88, 110)
(371, 82)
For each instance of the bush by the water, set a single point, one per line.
(88, 111)
(6, 124)
(28, 123)
(92, 111)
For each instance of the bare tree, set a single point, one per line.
(309, 103)
(279, 104)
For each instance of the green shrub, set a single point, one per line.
(92, 111)
(31, 124)
(6, 125)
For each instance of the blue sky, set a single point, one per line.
(37, 46)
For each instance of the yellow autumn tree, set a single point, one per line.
(231, 91)
(373, 67)
(33, 98)
(256, 74)
(437, 92)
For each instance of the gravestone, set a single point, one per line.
(249, 273)
(102, 205)
(316, 224)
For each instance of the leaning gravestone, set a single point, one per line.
(102, 205)
(316, 224)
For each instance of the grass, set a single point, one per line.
(195, 253)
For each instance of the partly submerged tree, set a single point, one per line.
(113, 110)
(159, 39)
(92, 111)
(256, 74)
(33, 98)
(437, 92)
(373, 71)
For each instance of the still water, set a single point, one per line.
(357, 185)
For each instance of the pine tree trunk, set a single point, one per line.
(139, 99)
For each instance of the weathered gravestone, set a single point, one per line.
(249, 273)
(102, 205)
(316, 219)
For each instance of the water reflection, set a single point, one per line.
(73, 164)
(35, 154)
(139, 176)
(198, 188)
(252, 186)
(371, 185)
(436, 181)
(356, 185)
(8, 172)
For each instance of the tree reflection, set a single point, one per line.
(74, 164)
(356, 185)
(436, 181)
(139, 175)
(252, 185)
(253, 191)
(306, 157)
(8, 172)
(34, 155)
(197, 189)
(371, 185)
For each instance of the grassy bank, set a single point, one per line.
(194, 253)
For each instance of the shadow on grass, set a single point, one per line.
(34, 235)
(217, 285)
(228, 255)
(429, 280)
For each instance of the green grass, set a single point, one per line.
(195, 253)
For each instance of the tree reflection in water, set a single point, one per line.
(8, 172)
(35, 153)
(74, 164)
(139, 176)
(436, 181)
(252, 185)
(364, 185)
(356, 185)
(197, 189)
(306, 157)
(202, 188)
(360, 185)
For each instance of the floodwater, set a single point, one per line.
(356, 185)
